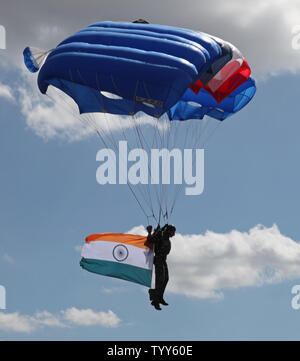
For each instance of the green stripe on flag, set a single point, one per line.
(118, 270)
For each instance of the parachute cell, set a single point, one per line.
(196, 106)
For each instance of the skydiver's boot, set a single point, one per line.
(151, 294)
(163, 302)
(154, 299)
(156, 305)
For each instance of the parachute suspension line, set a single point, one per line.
(158, 139)
(138, 188)
(205, 141)
(139, 141)
(134, 98)
(98, 88)
(40, 58)
(75, 114)
(113, 141)
(138, 137)
(190, 129)
(68, 107)
(199, 141)
(130, 187)
(168, 133)
(174, 128)
(143, 143)
(142, 140)
(88, 120)
(165, 192)
(160, 200)
(70, 110)
(159, 143)
(147, 191)
(155, 191)
(92, 119)
(132, 112)
(34, 58)
(138, 201)
(179, 188)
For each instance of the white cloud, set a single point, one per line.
(57, 116)
(50, 118)
(263, 31)
(15, 322)
(260, 28)
(45, 318)
(113, 290)
(7, 258)
(89, 317)
(6, 93)
(204, 265)
(139, 230)
(78, 248)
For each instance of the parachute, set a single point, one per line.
(157, 85)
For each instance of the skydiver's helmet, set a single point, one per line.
(169, 229)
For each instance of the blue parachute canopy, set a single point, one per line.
(196, 106)
(30, 61)
(34, 58)
(148, 67)
(124, 68)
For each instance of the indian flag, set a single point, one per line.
(118, 255)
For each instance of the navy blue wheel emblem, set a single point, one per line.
(120, 252)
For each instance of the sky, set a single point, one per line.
(236, 255)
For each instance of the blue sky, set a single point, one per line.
(50, 201)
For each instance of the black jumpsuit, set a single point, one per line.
(162, 249)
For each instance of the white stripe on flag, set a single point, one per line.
(118, 252)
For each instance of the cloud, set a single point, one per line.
(242, 23)
(8, 259)
(78, 248)
(6, 93)
(204, 265)
(15, 322)
(51, 117)
(45, 318)
(56, 116)
(261, 29)
(139, 230)
(113, 290)
(89, 317)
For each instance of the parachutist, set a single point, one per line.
(160, 238)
